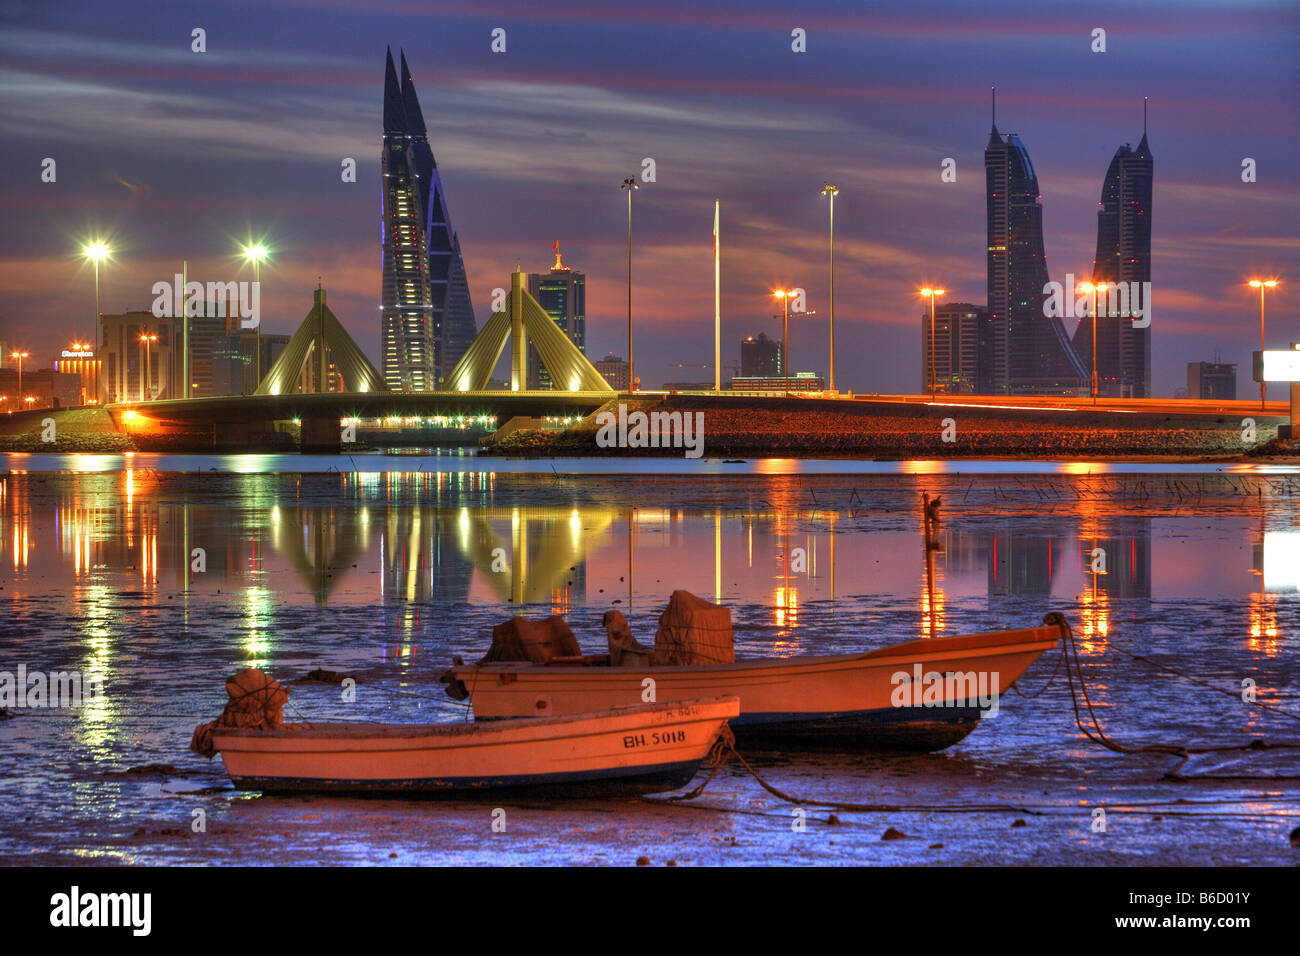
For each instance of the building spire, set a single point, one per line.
(394, 114)
(1143, 149)
(994, 91)
(559, 259)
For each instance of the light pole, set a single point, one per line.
(1094, 289)
(785, 297)
(96, 251)
(1261, 285)
(146, 338)
(629, 185)
(930, 294)
(255, 254)
(19, 356)
(832, 191)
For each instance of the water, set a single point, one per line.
(388, 574)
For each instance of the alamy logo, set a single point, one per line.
(1122, 300)
(215, 299)
(134, 910)
(950, 689)
(55, 690)
(637, 429)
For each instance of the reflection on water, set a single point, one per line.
(409, 544)
(160, 583)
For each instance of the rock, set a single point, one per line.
(892, 834)
(1295, 837)
(322, 676)
(936, 846)
(643, 861)
(1019, 823)
(832, 819)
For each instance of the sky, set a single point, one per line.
(171, 154)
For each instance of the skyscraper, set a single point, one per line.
(962, 345)
(760, 357)
(1123, 255)
(562, 294)
(428, 316)
(1031, 352)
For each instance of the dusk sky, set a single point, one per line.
(171, 154)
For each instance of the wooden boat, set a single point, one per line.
(644, 748)
(919, 695)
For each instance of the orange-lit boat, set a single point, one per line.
(642, 749)
(919, 695)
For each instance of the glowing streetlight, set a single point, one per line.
(255, 253)
(97, 251)
(931, 294)
(1094, 289)
(19, 356)
(147, 338)
(785, 295)
(832, 191)
(629, 185)
(1261, 285)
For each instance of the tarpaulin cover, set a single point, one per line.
(535, 642)
(694, 631)
(256, 700)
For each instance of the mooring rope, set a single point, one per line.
(1098, 735)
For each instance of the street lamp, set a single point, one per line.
(832, 191)
(629, 185)
(1261, 285)
(255, 253)
(96, 251)
(785, 296)
(931, 294)
(1094, 289)
(146, 338)
(20, 356)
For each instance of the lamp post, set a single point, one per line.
(785, 296)
(1094, 289)
(255, 253)
(832, 191)
(1261, 285)
(930, 294)
(629, 185)
(146, 338)
(96, 251)
(20, 356)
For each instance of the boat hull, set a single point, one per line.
(639, 749)
(842, 702)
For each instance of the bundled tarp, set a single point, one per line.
(624, 649)
(694, 631)
(256, 700)
(534, 642)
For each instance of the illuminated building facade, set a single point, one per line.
(1031, 353)
(79, 359)
(428, 318)
(562, 294)
(1123, 255)
(963, 348)
(614, 369)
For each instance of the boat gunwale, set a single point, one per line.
(919, 650)
(503, 731)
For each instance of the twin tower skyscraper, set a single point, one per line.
(427, 320)
(1027, 352)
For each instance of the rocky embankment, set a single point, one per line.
(810, 428)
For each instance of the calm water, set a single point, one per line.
(387, 573)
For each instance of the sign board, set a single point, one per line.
(1277, 365)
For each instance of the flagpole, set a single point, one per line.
(717, 306)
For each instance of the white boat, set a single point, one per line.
(923, 694)
(643, 748)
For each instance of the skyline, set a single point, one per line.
(759, 127)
